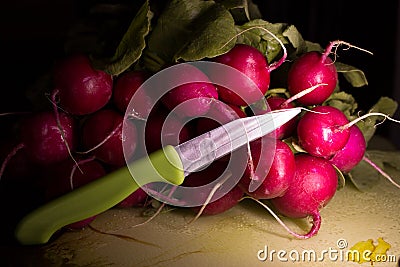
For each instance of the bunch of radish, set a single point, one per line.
(78, 137)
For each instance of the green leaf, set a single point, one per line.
(132, 44)
(189, 30)
(384, 105)
(254, 33)
(296, 39)
(354, 76)
(364, 176)
(242, 10)
(214, 35)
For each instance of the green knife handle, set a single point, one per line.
(98, 196)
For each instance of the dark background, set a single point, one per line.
(33, 33)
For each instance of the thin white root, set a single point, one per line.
(348, 125)
(60, 128)
(102, 142)
(71, 176)
(212, 192)
(301, 94)
(384, 174)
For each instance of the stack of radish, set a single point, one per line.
(79, 138)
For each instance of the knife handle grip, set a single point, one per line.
(98, 196)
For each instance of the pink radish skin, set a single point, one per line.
(135, 199)
(106, 125)
(194, 98)
(252, 63)
(276, 176)
(82, 89)
(206, 176)
(321, 134)
(42, 138)
(352, 153)
(310, 69)
(219, 114)
(314, 185)
(126, 86)
(159, 132)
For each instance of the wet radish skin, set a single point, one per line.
(314, 185)
(309, 70)
(320, 134)
(352, 153)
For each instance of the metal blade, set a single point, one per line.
(206, 148)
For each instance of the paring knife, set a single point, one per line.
(170, 164)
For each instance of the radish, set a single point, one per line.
(206, 176)
(252, 63)
(321, 132)
(164, 128)
(81, 88)
(314, 185)
(135, 199)
(313, 68)
(102, 136)
(191, 99)
(126, 86)
(45, 141)
(352, 153)
(276, 176)
(219, 114)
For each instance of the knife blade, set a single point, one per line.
(169, 165)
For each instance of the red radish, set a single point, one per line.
(137, 198)
(251, 62)
(81, 88)
(160, 131)
(219, 114)
(352, 153)
(276, 177)
(314, 68)
(308, 70)
(314, 185)
(191, 99)
(321, 131)
(226, 202)
(126, 86)
(206, 176)
(275, 103)
(102, 135)
(62, 178)
(45, 141)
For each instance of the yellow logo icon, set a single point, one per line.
(367, 251)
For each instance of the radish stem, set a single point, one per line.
(336, 43)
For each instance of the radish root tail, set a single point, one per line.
(316, 222)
